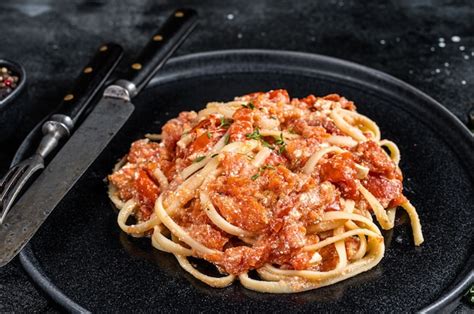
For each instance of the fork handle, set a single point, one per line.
(90, 81)
(87, 85)
(57, 128)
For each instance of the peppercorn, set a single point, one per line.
(8, 82)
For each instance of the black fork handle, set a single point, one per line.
(90, 81)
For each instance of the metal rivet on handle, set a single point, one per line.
(103, 48)
(179, 14)
(88, 70)
(136, 66)
(157, 38)
(68, 97)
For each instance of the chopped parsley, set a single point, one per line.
(260, 170)
(469, 295)
(266, 144)
(226, 139)
(209, 135)
(281, 143)
(255, 135)
(200, 158)
(224, 123)
(280, 140)
(249, 106)
(281, 149)
(270, 167)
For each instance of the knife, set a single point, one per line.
(61, 124)
(90, 139)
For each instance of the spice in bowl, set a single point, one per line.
(8, 82)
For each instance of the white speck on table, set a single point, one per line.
(455, 39)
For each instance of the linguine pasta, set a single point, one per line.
(295, 189)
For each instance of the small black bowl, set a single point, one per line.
(13, 105)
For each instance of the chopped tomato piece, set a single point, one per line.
(340, 170)
(239, 259)
(385, 190)
(279, 95)
(147, 193)
(207, 235)
(308, 100)
(372, 155)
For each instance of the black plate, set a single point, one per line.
(81, 259)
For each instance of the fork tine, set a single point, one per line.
(16, 183)
(8, 175)
(5, 184)
(12, 180)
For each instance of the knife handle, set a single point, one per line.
(162, 45)
(90, 81)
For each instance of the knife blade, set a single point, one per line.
(92, 136)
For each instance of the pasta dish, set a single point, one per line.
(284, 195)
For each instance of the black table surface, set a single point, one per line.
(427, 43)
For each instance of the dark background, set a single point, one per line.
(409, 39)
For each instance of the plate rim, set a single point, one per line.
(466, 276)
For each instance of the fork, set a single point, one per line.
(14, 181)
(61, 124)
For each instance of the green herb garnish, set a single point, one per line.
(255, 135)
(266, 144)
(224, 123)
(209, 135)
(249, 106)
(469, 295)
(226, 139)
(281, 149)
(270, 167)
(198, 159)
(260, 170)
(281, 142)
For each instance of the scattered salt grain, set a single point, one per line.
(455, 39)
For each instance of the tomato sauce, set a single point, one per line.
(276, 200)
